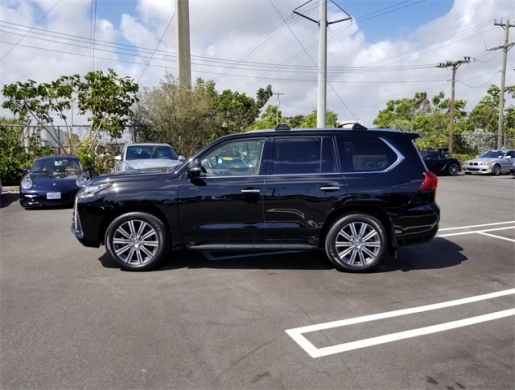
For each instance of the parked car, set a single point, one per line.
(493, 162)
(357, 193)
(146, 156)
(512, 169)
(440, 163)
(52, 181)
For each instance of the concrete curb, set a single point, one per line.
(10, 189)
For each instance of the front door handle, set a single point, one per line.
(250, 191)
(330, 188)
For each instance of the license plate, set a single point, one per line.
(53, 195)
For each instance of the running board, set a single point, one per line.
(242, 246)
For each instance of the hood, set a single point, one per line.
(152, 163)
(483, 159)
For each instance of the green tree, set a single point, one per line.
(188, 118)
(107, 99)
(310, 121)
(268, 119)
(13, 155)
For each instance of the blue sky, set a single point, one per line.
(389, 51)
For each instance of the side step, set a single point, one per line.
(252, 246)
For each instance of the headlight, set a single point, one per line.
(81, 181)
(90, 191)
(26, 182)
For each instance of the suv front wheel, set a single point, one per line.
(356, 243)
(137, 241)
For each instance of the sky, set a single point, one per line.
(389, 50)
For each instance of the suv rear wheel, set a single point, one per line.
(137, 241)
(356, 243)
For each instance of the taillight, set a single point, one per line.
(430, 182)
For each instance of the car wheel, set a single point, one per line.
(356, 243)
(137, 241)
(453, 169)
(496, 170)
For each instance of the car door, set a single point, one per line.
(301, 186)
(226, 201)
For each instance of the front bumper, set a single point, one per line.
(77, 230)
(30, 199)
(477, 169)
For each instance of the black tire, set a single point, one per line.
(453, 169)
(496, 170)
(137, 241)
(356, 243)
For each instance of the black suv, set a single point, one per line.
(357, 193)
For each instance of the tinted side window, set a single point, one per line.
(361, 154)
(235, 158)
(303, 155)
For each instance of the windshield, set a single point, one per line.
(143, 152)
(493, 154)
(59, 165)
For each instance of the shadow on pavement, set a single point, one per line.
(440, 253)
(8, 198)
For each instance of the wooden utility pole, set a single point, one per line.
(454, 65)
(183, 42)
(506, 25)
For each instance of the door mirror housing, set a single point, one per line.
(194, 170)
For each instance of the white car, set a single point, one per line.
(146, 157)
(493, 162)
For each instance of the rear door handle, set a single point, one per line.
(250, 191)
(330, 188)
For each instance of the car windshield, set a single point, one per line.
(54, 166)
(142, 152)
(492, 154)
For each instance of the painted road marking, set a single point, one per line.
(297, 333)
(475, 226)
(484, 232)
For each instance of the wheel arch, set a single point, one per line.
(155, 211)
(374, 211)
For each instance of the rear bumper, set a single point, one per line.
(417, 225)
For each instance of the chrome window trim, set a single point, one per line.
(400, 158)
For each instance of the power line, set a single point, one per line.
(40, 19)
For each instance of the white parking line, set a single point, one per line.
(499, 237)
(478, 232)
(297, 333)
(475, 226)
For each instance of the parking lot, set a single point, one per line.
(440, 316)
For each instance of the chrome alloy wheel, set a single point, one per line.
(357, 244)
(135, 242)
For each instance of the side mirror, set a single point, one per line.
(90, 171)
(118, 158)
(26, 170)
(194, 170)
(182, 158)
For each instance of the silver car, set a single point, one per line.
(493, 162)
(146, 157)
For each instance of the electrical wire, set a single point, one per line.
(158, 43)
(40, 19)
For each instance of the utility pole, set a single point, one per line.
(322, 57)
(183, 42)
(506, 25)
(277, 106)
(454, 65)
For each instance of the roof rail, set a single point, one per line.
(357, 126)
(282, 126)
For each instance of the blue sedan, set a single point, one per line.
(52, 181)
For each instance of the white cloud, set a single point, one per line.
(255, 33)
